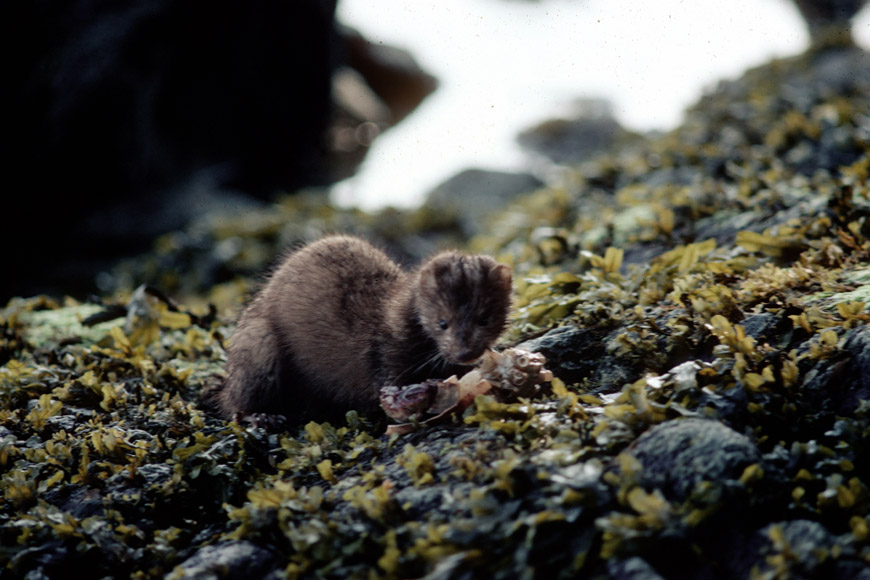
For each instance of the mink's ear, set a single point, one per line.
(501, 276)
(439, 269)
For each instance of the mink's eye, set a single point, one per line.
(443, 324)
(483, 321)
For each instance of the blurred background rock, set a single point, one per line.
(829, 21)
(124, 120)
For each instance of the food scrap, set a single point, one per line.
(507, 375)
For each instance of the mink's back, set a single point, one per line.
(304, 346)
(326, 305)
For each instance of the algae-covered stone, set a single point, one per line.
(806, 549)
(578, 354)
(44, 326)
(678, 455)
(840, 384)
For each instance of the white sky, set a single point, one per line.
(506, 65)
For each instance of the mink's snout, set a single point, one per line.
(466, 357)
(464, 352)
(466, 344)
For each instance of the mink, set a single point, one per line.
(338, 320)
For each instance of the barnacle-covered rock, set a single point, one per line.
(507, 375)
(679, 455)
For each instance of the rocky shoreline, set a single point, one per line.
(700, 296)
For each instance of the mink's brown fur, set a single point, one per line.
(338, 320)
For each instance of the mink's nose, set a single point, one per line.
(468, 356)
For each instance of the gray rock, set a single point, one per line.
(808, 547)
(570, 141)
(829, 20)
(229, 560)
(576, 354)
(155, 474)
(678, 455)
(474, 194)
(634, 568)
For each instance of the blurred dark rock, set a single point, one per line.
(474, 194)
(829, 21)
(116, 109)
(114, 97)
(634, 568)
(125, 120)
(376, 87)
(808, 546)
(392, 73)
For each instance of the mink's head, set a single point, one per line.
(463, 303)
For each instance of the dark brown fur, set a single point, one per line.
(338, 320)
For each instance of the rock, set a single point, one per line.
(578, 354)
(120, 97)
(838, 383)
(569, 351)
(761, 326)
(122, 125)
(80, 502)
(570, 141)
(113, 109)
(154, 474)
(227, 560)
(376, 87)
(678, 455)
(829, 21)
(43, 561)
(392, 73)
(803, 549)
(474, 194)
(634, 568)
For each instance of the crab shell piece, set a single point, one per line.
(507, 375)
(514, 372)
(408, 403)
